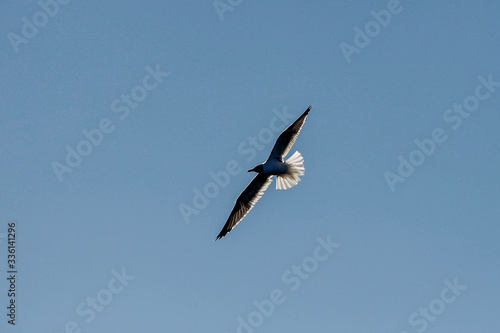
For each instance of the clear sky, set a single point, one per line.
(127, 129)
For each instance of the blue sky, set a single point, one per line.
(393, 228)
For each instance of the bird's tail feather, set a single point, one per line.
(296, 168)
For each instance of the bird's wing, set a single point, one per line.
(287, 138)
(245, 202)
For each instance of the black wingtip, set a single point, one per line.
(221, 235)
(306, 112)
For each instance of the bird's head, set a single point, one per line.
(259, 169)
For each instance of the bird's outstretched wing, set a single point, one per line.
(245, 202)
(287, 138)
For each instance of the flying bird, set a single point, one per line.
(287, 174)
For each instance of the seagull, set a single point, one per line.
(287, 174)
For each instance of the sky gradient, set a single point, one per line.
(127, 129)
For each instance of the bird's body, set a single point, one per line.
(287, 174)
(274, 167)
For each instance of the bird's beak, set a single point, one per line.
(251, 170)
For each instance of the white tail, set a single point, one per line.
(295, 165)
